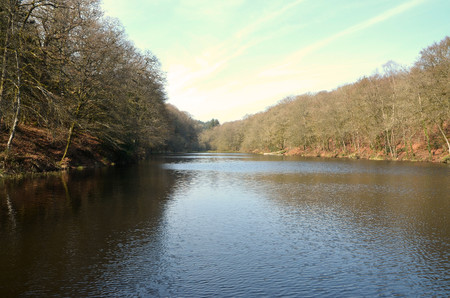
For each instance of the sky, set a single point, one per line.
(226, 59)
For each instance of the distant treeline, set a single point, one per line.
(388, 114)
(185, 131)
(66, 68)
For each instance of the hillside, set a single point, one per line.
(39, 150)
(398, 114)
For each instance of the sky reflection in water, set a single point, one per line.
(230, 225)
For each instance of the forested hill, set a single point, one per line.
(75, 91)
(401, 113)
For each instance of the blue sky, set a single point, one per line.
(228, 58)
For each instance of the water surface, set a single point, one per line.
(229, 225)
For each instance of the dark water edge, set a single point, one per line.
(229, 225)
(25, 173)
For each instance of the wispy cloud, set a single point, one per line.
(182, 78)
(227, 58)
(217, 57)
(284, 67)
(206, 9)
(266, 18)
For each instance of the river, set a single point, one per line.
(229, 225)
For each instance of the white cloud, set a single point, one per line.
(293, 59)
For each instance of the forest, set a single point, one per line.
(74, 90)
(398, 113)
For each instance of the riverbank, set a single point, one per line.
(38, 150)
(419, 152)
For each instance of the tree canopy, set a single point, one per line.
(66, 68)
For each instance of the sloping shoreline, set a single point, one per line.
(420, 154)
(37, 150)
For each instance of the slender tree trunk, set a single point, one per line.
(393, 144)
(17, 104)
(445, 138)
(386, 150)
(388, 144)
(71, 131)
(425, 131)
(358, 142)
(353, 143)
(405, 143)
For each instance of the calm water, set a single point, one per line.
(229, 225)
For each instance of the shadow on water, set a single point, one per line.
(64, 233)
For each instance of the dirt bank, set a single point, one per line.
(418, 152)
(36, 150)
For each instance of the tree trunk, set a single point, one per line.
(17, 105)
(405, 143)
(69, 140)
(425, 131)
(445, 138)
(424, 127)
(71, 130)
(388, 144)
(393, 144)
